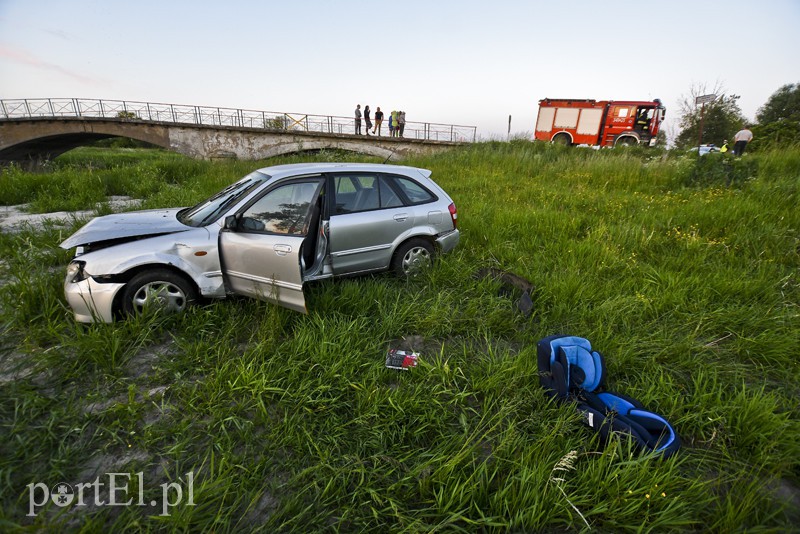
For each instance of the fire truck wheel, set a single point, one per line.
(626, 141)
(562, 139)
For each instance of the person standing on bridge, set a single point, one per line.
(378, 120)
(358, 119)
(395, 128)
(401, 122)
(367, 120)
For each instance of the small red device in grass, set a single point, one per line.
(401, 359)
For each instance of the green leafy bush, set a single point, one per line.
(783, 133)
(718, 169)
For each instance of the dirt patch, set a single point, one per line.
(15, 218)
(15, 366)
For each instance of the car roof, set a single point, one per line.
(279, 171)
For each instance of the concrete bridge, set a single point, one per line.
(41, 129)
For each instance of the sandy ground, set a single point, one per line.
(14, 218)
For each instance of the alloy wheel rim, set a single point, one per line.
(415, 260)
(160, 295)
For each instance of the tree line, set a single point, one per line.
(777, 121)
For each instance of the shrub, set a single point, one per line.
(718, 169)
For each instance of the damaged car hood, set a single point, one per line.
(123, 225)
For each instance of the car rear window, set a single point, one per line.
(415, 192)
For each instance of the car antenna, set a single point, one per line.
(388, 158)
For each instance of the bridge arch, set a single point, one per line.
(328, 144)
(47, 139)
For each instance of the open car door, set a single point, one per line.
(261, 245)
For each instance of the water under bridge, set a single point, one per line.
(41, 129)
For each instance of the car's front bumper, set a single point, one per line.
(90, 300)
(447, 242)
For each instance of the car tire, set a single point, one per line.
(412, 257)
(158, 289)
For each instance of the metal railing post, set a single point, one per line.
(5, 111)
(149, 114)
(28, 108)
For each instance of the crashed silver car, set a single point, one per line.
(264, 237)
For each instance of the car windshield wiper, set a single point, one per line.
(222, 207)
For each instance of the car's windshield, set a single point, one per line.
(211, 209)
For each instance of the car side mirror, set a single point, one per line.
(231, 222)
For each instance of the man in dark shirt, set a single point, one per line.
(378, 120)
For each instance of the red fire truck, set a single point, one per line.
(599, 122)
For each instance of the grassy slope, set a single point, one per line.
(290, 422)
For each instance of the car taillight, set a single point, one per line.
(453, 214)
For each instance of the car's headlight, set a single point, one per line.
(75, 271)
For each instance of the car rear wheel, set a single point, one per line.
(413, 256)
(158, 289)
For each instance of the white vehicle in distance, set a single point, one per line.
(263, 236)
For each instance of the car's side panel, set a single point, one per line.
(364, 241)
(264, 266)
(194, 252)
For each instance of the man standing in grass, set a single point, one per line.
(740, 141)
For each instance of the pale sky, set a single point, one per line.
(461, 62)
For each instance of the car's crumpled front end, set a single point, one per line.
(111, 250)
(89, 299)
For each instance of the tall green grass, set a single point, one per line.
(291, 423)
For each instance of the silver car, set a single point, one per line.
(264, 237)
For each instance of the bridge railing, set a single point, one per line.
(11, 109)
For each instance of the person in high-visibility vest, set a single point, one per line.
(395, 124)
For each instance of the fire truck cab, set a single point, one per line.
(599, 123)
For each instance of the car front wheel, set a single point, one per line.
(413, 257)
(158, 289)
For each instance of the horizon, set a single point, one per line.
(473, 67)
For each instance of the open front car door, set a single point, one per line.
(261, 245)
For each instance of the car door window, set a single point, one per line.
(389, 199)
(355, 193)
(364, 192)
(283, 210)
(415, 193)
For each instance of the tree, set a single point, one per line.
(779, 120)
(722, 118)
(783, 104)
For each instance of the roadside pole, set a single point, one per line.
(702, 100)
